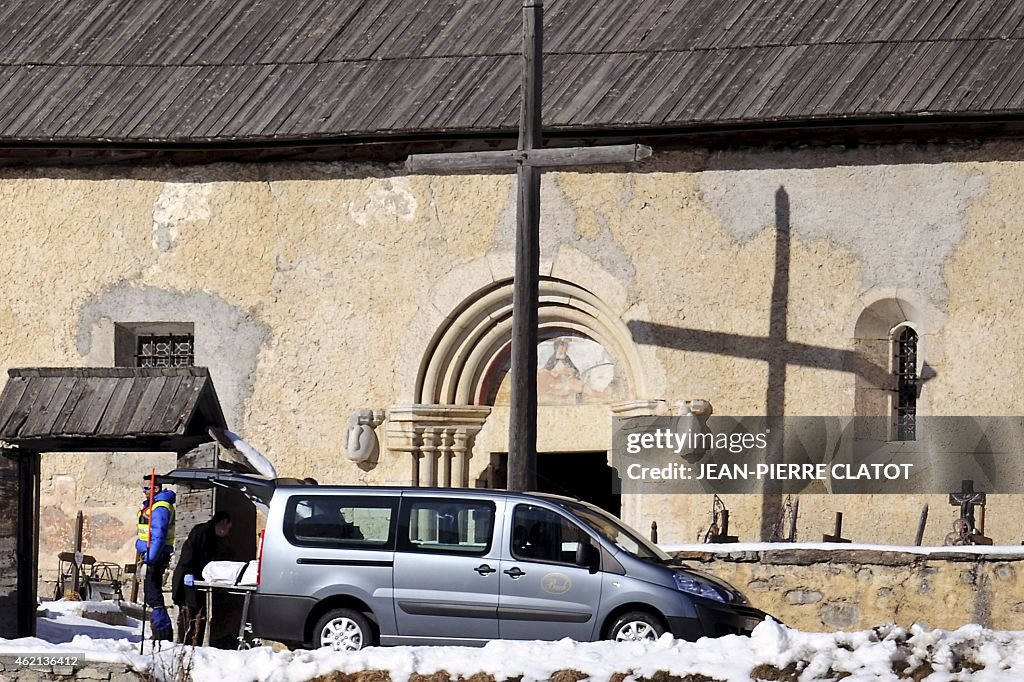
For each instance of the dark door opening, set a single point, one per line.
(584, 475)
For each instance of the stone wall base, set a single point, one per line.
(832, 590)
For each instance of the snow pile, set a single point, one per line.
(888, 652)
(773, 652)
(62, 620)
(71, 607)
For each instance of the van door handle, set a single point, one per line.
(484, 569)
(514, 572)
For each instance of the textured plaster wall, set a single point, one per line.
(316, 288)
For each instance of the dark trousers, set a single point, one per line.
(153, 587)
(153, 591)
(191, 624)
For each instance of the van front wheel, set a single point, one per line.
(636, 626)
(343, 630)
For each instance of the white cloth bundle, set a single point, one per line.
(249, 574)
(224, 571)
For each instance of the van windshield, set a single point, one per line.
(617, 532)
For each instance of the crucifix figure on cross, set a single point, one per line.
(965, 530)
(528, 160)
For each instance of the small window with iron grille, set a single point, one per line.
(154, 344)
(905, 397)
(165, 350)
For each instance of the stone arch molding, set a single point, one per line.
(470, 342)
(438, 430)
(884, 309)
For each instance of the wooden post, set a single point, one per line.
(919, 538)
(837, 536)
(522, 423)
(28, 545)
(528, 160)
(10, 533)
(792, 520)
(79, 558)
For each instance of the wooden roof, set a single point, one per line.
(173, 71)
(109, 408)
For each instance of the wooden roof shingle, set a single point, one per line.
(188, 71)
(109, 408)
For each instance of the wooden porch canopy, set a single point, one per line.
(82, 409)
(127, 409)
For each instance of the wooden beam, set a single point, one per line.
(512, 159)
(522, 418)
(528, 160)
(124, 444)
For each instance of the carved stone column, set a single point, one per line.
(460, 458)
(428, 459)
(438, 438)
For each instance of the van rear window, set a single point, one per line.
(340, 521)
(446, 526)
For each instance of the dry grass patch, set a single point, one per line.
(770, 673)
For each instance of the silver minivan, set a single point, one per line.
(349, 567)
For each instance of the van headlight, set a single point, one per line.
(690, 585)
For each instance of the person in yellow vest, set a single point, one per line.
(156, 543)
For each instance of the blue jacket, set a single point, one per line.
(161, 524)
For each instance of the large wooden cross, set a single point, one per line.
(528, 160)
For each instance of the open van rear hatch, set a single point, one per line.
(259, 489)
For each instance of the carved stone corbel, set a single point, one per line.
(361, 443)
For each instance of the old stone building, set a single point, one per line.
(222, 185)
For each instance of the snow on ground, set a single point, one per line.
(63, 621)
(1001, 550)
(969, 653)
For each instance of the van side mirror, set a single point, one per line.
(588, 556)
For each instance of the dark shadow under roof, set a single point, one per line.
(85, 409)
(222, 71)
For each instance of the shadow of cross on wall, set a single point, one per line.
(775, 349)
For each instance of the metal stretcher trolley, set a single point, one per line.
(227, 588)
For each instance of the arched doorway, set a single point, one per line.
(586, 362)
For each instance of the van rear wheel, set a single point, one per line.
(636, 626)
(343, 630)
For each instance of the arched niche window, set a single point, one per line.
(891, 338)
(905, 384)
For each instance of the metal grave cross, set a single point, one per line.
(967, 499)
(528, 160)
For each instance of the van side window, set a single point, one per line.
(446, 526)
(340, 521)
(539, 534)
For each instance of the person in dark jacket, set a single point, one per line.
(155, 543)
(199, 549)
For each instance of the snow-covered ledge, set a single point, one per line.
(824, 586)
